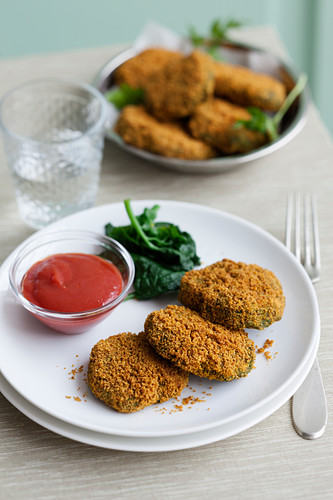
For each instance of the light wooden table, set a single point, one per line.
(268, 460)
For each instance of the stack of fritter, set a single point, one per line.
(205, 336)
(192, 103)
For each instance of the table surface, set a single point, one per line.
(268, 460)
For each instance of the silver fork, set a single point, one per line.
(309, 407)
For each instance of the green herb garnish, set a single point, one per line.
(269, 125)
(219, 29)
(218, 33)
(259, 122)
(125, 95)
(162, 253)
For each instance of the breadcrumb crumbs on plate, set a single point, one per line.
(191, 400)
(267, 355)
(74, 371)
(186, 403)
(268, 343)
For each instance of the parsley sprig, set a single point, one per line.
(269, 125)
(218, 33)
(124, 95)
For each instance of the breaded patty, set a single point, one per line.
(175, 90)
(126, 373)
(199, 346)
(248, 88)
(234, 294)
(137, 70)
(170, 139)
(214, 122)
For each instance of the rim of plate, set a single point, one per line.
(137, 444)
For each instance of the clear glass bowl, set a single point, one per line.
(68, 241)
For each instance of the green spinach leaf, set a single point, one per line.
(161, 251)
(153, 279)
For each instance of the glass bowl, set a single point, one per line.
(68, 241)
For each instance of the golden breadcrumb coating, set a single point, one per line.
(234, 294)
(214, 122)
(248, 88)
(175, 90)
(137, 70)
(170, 139)
(198, 346)
(126, 373)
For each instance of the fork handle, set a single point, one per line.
(309, 407)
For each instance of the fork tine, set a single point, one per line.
(315, 230)
(297, 225)
(293, 224)
(307, 225)
(316, 246)
(302, 234)
(289, 223)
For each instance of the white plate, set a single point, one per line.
(37, 361)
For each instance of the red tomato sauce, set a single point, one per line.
(72, 282)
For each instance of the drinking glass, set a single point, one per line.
(53, 132)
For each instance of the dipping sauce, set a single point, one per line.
(72, 282)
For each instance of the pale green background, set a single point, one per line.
(42, 26)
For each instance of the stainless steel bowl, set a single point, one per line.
(244, 55)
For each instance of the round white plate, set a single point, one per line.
(48, 369)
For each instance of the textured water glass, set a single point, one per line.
(53, 133)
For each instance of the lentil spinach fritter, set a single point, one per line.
(169, 139)
(175, 90)
(234, 294)
(137, 70)
(126, 373)
(199, 346)
(248, 88)
(214, 122)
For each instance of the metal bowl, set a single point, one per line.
(243, 55)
